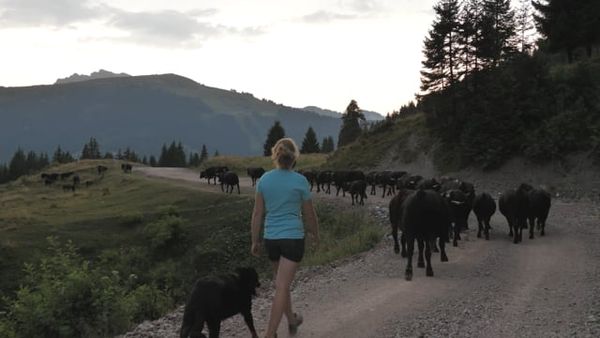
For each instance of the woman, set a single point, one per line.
(284, 196)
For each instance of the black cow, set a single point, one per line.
(514, 205)
(212, 173)
(324, 180)
(76, 179)
(539, 207)
(357, 189)
(484, 207)
(101, 169)
(126, 167)
(255, 174)
(371, 179)
(455, 184)
(67, 187)
(340, 178)
(389, 181)
(311, 177)
(411, 182)
(395, 213)
(48, 181)
(66, 175)
(425, 217)
(459, 212)
(214, 299)
(229, 180)
(429, 184)
(88, 183)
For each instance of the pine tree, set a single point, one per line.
(441, 48)
(275, 134)
(350, 129)
(216, 153)
(498, 31)
(108, 156)
(203, 154)
(85, 153)
(469, 37)
(4, 174)
(327, 145)
(162, 159)
(145, 160)
(58, 155)
(310, 145)
(152, 161)
(524, 26)
(17, 165)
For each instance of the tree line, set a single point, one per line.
(490, 93)
(27, 163)
(310, 143)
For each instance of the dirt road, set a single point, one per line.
(546, 287)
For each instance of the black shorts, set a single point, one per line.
(292, 249)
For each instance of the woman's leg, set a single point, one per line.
(286, 269)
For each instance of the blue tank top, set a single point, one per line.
(283, 192)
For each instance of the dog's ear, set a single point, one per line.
(248, 276)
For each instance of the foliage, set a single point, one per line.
(22, 164)
(65, 295)
(91, 150)
(350, 129)
(327, 146)
(61, 156)
(310, 145)
(275, 134)
(568, 24)
(173, 156)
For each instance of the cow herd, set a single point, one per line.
(71, 181)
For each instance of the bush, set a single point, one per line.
(131, 219)
(66, 296)
(164, 233)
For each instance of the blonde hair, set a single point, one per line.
(285, 153)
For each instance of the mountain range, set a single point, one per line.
(144, 112)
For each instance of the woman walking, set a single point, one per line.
(283, 199)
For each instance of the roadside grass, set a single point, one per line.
(372, 147)
(239, 164)
(165, 235)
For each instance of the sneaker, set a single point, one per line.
(293, 328)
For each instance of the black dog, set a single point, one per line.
(216, 298)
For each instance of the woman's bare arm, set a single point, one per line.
(257, 220)
(310, 218)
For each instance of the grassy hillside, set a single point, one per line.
(240, 163)
(162, 236)
(399, 140)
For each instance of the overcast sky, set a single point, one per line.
(295, 52)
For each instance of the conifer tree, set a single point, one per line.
(350, 129)
(310, 145)
(524, 26)
(275, 134)
(441, 48)
(58, 155)
(498, 31)
(203, 154)
(216, 153)
(18, 164)
(152, 161)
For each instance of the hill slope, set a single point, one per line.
(144, 112)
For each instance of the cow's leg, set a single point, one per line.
(395, 237)
(420, 262)
(384, 188)
(487, 229)
(456, 234)
(542, 223)
(214, 328)
(411, 247)
(531, 227)
(429, 270)
(403, 242)
(479, 226)
(238, 186)
(510, 226)
(443, 256)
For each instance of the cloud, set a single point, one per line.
(326, 16)
(56, 13)
(158, 28)
(365, 6)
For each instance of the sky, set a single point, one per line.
(296, 52)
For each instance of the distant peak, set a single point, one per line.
(101, 74)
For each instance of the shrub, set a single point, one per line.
(164, 233)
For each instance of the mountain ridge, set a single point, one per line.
(144, 112)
